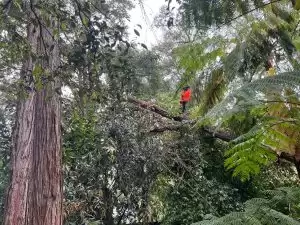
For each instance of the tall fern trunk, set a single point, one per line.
(35, 192)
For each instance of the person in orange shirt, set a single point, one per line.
(185, 97)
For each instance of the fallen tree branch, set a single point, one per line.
(222, 135)
(225, 136)
(166, 128)
(154, 108)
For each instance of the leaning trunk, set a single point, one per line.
(35, 192)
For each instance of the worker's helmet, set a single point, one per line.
(186, 88)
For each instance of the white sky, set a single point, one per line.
(149, 36)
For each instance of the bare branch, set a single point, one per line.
(225, 136)
(222, 135)
(154, 108)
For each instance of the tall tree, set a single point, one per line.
(79, 28)
(35, 191)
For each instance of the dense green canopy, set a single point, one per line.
(127, 153)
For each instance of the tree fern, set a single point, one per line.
(192, 58)
(259, 146)
(270, 210)
(213, 91)
(253, 94)
(278, 130)
(247, 158)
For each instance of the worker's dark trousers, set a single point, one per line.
(183, 106)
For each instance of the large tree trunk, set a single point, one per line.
(35, 192)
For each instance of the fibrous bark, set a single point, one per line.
(35, 191)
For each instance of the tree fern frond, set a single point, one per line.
(247, 160)
(252, 93)
(251, 134)
(262, 211)
(192, 58)
(286, 194)
(257, 148)
(254, 203)
(274, 217)
(277, 138)
(214, 90)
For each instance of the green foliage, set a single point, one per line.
(250, 46)
(5, 138)
(192, 201)
(168, 101)
(109, 165)
(254, 43)
(279, 174)
(194, 57)
(144, 77)
(81, 137)
(197, 183)
(207, 86)
(280, 206)
(204, 14)
(214, 90)
(115, 171)
(256, 147)
(247, 157)
(255, 93)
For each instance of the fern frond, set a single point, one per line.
(254, 203)
(270, 216)
(214, 90)
(257, 148)
(251, 94)
(288, 195)
(261, 211)
(194, 57)
(247, 158)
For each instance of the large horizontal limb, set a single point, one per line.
(154, 108)
(222, 135)
(225, 136)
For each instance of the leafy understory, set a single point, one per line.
(275, 208)
(82, 94)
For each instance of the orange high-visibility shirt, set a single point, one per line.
(186, 95)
